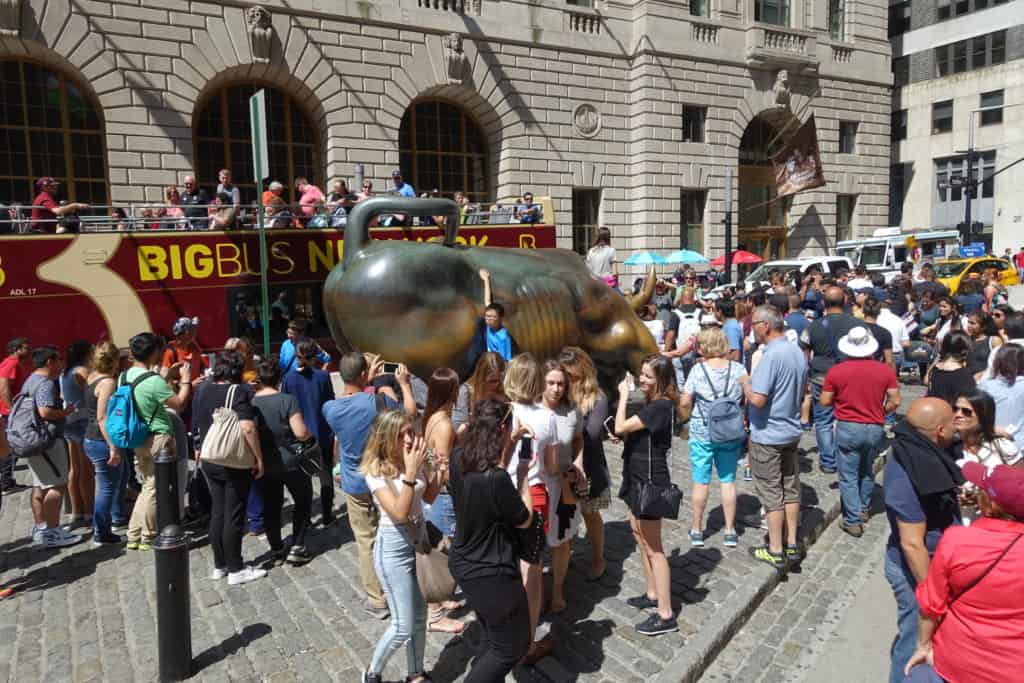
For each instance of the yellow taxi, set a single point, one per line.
(952, 272)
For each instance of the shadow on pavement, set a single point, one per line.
(229, 646)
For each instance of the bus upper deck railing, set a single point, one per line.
(138, 217)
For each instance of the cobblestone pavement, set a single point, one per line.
(794, 626)
(85, 613)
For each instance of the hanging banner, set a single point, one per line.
(798, 165)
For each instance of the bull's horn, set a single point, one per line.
(638, 302)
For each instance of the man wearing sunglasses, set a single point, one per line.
(921, 482)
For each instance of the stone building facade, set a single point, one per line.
(959, 76)
(628, 114)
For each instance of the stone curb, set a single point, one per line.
(700, 651)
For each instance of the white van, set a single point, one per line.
(887, 249)
(828, 265)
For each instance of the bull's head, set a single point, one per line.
(419, 303)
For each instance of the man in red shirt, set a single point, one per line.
(45, 209)
(14, 370)
(972, 607)
(861, 391)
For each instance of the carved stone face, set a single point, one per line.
(782, 80)
(257, 16)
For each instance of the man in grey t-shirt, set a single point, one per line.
(774, 394)
(50, 467)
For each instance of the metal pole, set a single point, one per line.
(969, 186)
(264, 287)
(165, 466)
(727, 221)
(173, 602)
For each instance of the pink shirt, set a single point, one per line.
(311, 196)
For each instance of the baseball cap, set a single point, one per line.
(1004, 484)
(184, 325)
(46, 180)
(396, 172)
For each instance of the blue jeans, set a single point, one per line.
(118, 511)
(254, 506)
(824, 421)
(394, 559)
(857, 446)
(441, 513)
(903, 584)
(108, 484)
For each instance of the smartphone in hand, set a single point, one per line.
(391, 368)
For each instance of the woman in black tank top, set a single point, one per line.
(106, 459)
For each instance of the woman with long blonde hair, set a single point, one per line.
(523, 384)
(393, 464)
(592, 405)
(105, 458)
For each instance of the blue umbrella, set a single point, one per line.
(645, 258)
(685, 256)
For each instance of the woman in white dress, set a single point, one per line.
(601, 256)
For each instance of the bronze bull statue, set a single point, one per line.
(419, 303)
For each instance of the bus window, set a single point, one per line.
(900, 254)
(286, 303)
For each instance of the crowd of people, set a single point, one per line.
(837, 347)
(499, 473)
(194, 208)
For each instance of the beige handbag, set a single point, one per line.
(223, 443)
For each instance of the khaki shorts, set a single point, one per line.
(776, 471)
(50, 468)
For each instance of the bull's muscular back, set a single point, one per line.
(419, 303)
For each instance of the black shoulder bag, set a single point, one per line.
(658, 500)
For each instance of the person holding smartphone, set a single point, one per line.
(523, 384)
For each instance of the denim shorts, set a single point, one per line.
(725, 457)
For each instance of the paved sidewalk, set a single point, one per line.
(85, 613)
(791, 632)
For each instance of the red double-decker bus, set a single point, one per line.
(112, 285)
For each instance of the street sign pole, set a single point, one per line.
(727, 222)
(261, 170)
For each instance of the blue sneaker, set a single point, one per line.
(731, 539)
(696, 539)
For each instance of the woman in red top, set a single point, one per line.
(972, 607)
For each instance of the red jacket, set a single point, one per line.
(981, 634)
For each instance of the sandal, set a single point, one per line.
(439, 623)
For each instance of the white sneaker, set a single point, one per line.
(67, 535)
(37, 534)
(245, 576)
(217, 574)
(52, 538)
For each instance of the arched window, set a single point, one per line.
(441, 147)
(48, 127)
(223, 139)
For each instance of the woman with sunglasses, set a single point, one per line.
(999, 314)
(1006, 387)
(985, 337)
(975, 422)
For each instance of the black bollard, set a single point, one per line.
(165, 466)
(173, 603)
